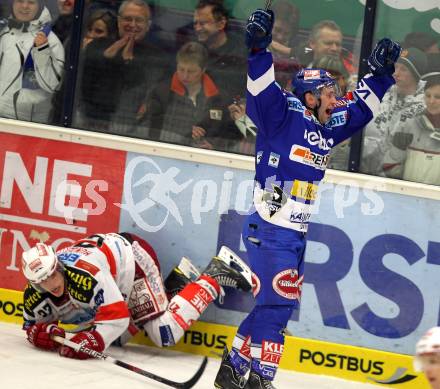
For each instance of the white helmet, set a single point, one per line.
(429, 343)
(39, 263)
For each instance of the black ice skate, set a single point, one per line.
(180, 276)
(228, 269)
(256, 381)
(227, 377)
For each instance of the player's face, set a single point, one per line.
(329, 42)
(25, 10)
(432, 100)
(205, 24)
(328, 103)
(54, 284)
(189, 73)
(431, 367)
(134, 21)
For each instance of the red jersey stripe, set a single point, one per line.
(118, 310)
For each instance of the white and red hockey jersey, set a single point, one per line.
(99, 276)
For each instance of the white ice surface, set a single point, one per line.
(22, 366)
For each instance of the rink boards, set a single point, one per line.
(372, 260)
(301, 355)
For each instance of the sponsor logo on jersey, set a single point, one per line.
(74, 249)
(304, 190)
(338, 119)
(274, 200)
(271, 352)
(31, 298)
(315, 138)
(294, 104)
(274, 160)
(68, 257)
(245, 348)
(305, 156)
(300, 217)
(80, 284)
(287, 284)
(312, 74)
(259, 156)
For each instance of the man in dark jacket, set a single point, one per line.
(118, 74)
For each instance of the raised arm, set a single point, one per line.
(266, 102)
(370, 91)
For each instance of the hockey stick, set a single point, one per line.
(98, 355)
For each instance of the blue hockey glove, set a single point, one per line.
(383, 57)
(259, 29)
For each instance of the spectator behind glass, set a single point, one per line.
(117, 73)
(284, 41)
(102, 23)
(326, 39)
(403, 101)
(416, 143)
(422, 41)
(63, 24)
(32, 63)
(189, 108)
(227, 54)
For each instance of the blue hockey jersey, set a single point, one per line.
(292, 147)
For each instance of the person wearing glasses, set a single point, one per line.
(118, 72)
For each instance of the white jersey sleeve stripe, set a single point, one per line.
(365, 93)
(255, 87)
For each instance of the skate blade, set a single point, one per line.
(233, 260)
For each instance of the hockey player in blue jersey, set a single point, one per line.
(295, 135)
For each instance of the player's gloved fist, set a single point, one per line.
(40, 335)
(259, 29)
(89, 339)
(383, 57)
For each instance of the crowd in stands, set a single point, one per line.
(186, 83)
